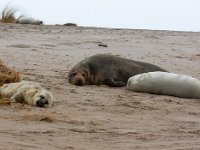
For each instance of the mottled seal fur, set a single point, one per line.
(166, 84)
(103, 69)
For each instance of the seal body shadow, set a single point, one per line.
(103, 69)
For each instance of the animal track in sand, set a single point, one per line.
(20, 46)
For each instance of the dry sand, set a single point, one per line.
(98, 117)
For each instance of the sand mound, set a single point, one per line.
(8, 75)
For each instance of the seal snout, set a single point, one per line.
(42, 102)
(79, 82)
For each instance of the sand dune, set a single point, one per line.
(98, 117)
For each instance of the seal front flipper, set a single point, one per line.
(17, 97)
(113, 83)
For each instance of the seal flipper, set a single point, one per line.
(17, 97)
(111, 82)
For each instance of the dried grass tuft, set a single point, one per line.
(8, 75)
(4, 100)
(8, 15)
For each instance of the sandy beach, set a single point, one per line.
(98, 117)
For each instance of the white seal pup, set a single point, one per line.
(28, 20)
(29, 92)
(165, 83)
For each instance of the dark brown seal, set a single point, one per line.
(103, 69)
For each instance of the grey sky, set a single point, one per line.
(136, 14)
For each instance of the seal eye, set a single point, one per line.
(83, 74)
(42, 97)
(73, 74)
